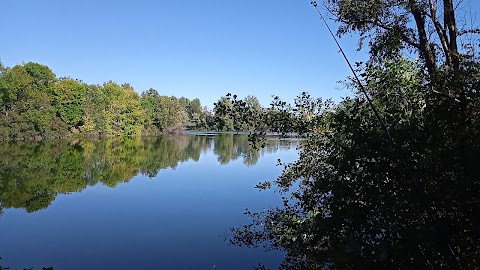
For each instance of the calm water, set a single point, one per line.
(158, 203)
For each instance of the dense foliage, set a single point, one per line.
(397, 190)
(35, 105)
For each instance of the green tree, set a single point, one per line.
(133, 114)
(163, 114)
(95, 122)
(195, 114)
(70, 101)
(254, 112)
(42, 76)
(222, 119)
(123, 114)
(14, 86)
(26, 95)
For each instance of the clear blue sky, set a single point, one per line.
(188, 48)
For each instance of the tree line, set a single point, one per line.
(35, 105)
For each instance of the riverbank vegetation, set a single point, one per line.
(37, 105)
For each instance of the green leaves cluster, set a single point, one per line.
(233, 114)
(198, 118)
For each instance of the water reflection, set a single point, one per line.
(33, 174)
(182, 196)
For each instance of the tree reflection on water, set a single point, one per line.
(32, 174)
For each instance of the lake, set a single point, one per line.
(145, 203)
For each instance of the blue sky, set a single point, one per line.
(188, 48)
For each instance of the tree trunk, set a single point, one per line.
(425, 49)
(450, 24)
